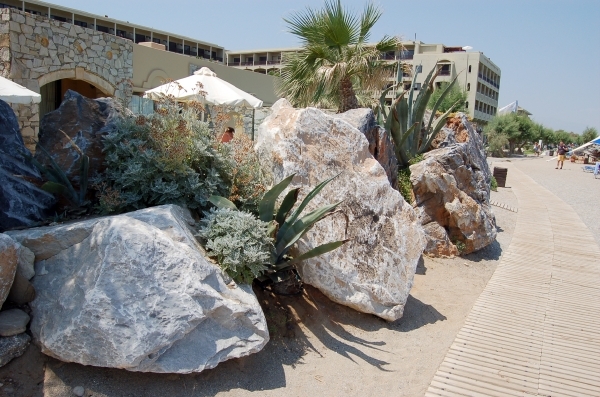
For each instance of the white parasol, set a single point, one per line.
(204, 86)
(12, 92)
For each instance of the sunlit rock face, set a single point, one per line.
(136, 292)
(373, 272)
(452, 192)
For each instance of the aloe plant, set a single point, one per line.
(287, 225)
(404, 118)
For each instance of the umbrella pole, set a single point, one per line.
(253, 110)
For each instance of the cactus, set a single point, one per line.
(404, 117)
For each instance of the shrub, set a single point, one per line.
(168, 157)
(493, 184)
(248, 179)
(238, 241)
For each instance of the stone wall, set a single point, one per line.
(35, 51)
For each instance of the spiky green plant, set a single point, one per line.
(58, 182)
(404, 118)
(287, 225)
(336, 59)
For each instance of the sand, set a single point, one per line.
(318, 348)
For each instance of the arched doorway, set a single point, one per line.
(54, 85)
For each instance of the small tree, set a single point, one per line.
(517, 129)
(454, 96)
(588, 134)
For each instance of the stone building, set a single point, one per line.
(50, 57)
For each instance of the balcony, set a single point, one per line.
(247, 63)
(274, 63)
(387, 57)
(234, 63)
(444, 73)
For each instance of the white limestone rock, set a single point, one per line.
(9, 257)
(137, 293)
(374, 271)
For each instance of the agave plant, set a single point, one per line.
(58, 182)
(287, 225)
(404, 118)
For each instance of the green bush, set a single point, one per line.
(238, 241)
(404, 185)
(169, 157)
(455, 97)
(493, 184)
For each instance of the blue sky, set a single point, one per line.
(548, 50)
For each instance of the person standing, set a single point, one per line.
(562, 150)
(228, 135)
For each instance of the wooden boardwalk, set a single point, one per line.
(535, 329)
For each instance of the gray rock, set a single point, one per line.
(21, 202)
(78, 391)
(85, 121)
(374, 271)
(381, 145)
(13, 347)
(25, 263)
(452, 191)
(137, 293)
(13, 322)
(22, 291)
(8, 264)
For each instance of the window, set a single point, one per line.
(407, 86)
(469, 68)
(468, 86)
(438, 85)
(467, 105)
(100, 28)
(417, 86)
(236, 59)
(419, 69)
(80, 23)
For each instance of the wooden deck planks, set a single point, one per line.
(533, 331)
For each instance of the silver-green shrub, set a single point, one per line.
(170, 157)
(238, 241)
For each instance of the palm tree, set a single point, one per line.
(335, 63)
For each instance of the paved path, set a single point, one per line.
(534, 330)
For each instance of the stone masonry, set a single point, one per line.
(35, 51)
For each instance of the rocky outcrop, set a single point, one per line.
(21, 202)
(9, 257)
(452, 190)
(135, 292)
(453, 132)
(85, 121)
(381, 146)
(374, 271)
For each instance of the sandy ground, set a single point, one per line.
(318, 348)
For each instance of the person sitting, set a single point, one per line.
(227, 135)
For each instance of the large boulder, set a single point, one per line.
(9, 258)
(135, 292)
(374, 271)
(381, 145)
(21, 202)
(452, 191)
(85, 121)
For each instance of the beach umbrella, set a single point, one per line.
(204, 86)
(12, 92)
(595, 141)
